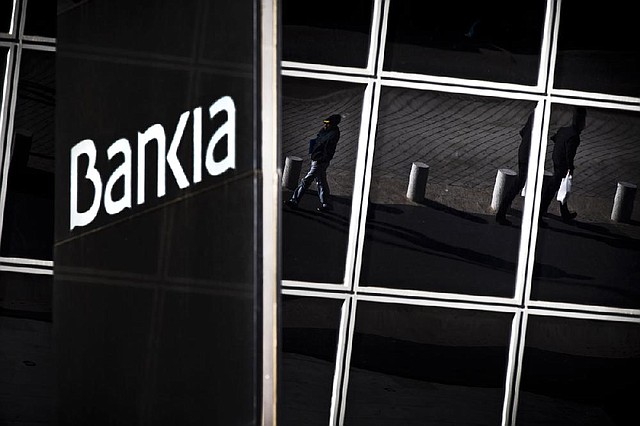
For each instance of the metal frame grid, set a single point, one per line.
(16, 42)
(374, 77)
(521, 306)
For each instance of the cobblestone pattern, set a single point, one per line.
(464, 139)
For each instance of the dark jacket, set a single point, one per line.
(566, 142)
(525, 144)
(325, 144)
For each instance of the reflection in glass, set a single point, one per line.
(603, 61)
(27, 296)
(178, 23)
(499, 40)
(591, 258)
(3, 68)
(333, 32)
(28, 376)
(579, 373)
(447, 239)
(315, 242)
(309, 345)
(414, 365)
(6, 13)
(28, 216)
(41, 18)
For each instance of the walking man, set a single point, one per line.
(321, 149)
(566, 142)
(523, 163)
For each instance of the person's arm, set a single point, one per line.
(571, 149)
(332, 144)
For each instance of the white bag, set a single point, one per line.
(565, 188)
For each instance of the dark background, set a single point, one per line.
(155, 307)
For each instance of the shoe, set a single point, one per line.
(324, 208)
(502, 220)
(291, 203)
(567, 216)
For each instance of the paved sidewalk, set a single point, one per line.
(435, 247)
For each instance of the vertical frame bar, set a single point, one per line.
(269, 107)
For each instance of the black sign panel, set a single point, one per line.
(157, 214)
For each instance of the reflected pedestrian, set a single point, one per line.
(523, 167)
(321, 150)
(566, 142)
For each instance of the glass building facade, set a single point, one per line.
(408, 303)
(27, 167)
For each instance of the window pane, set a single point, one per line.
(6, 13)
(579, 373)
(414, 365)
(120, 33)
(309, 344)
(27, 229)
(26, 296)
(203, 375)
(445, 239)
(604, 61)
(591, 259)
(4, 52)
(41, 18)
(28, 377)
(498, 40)
(333, 32)
(314, 243)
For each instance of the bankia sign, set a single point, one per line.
(122, 173)
(157, 214)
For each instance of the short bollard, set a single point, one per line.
(291, 173)
(623, 202)
(417, 181)
(504, 179)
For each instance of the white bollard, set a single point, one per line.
(623, 202)
(504, 179)
(291, 173)
(417, 181)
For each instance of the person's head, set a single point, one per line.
(332, 120)
(580, 118)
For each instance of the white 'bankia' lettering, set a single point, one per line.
(229, 162)
(153, 132)
(172, 155)
(197, 145)
(124, 171)
(88, 148)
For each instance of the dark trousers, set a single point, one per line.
(318, 171)
(551, 189)
(514, 190)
